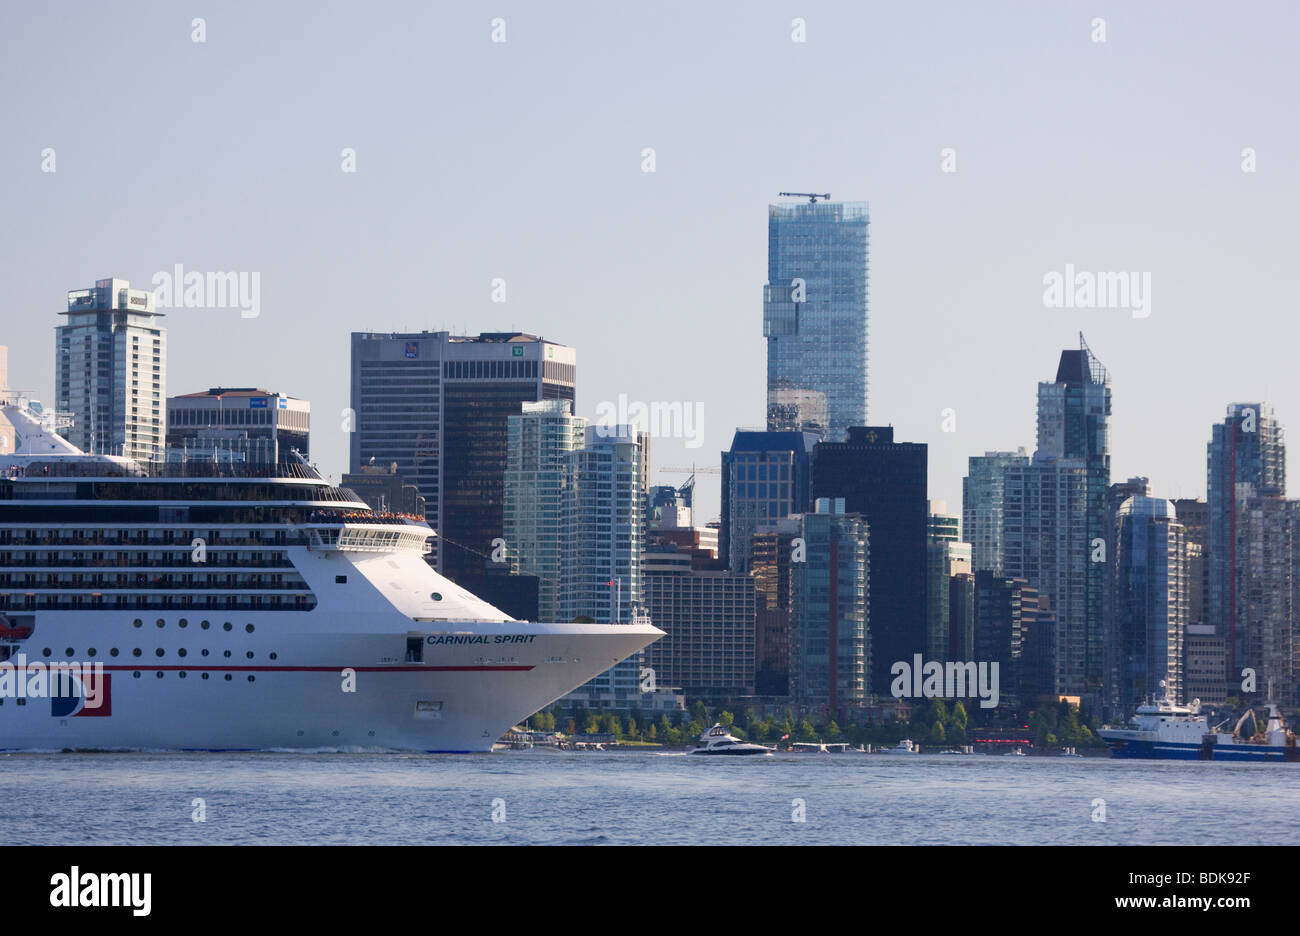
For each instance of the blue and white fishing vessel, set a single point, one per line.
(1164, 730)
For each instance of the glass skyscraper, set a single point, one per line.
(981, 506)
(884, 482)
(830, 637)
(1246, 492)
(1055, 510)
(540, 441)
(815, 317)
(765, 476)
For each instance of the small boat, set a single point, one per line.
(1016, 753)
(904, 747)
(717, 740)
(1069, 752)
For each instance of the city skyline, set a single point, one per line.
(1059, 178)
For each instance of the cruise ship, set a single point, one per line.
(235, 607)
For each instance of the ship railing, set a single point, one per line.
(361, 538)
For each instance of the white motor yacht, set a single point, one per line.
(718, 740)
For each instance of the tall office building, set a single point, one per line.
(111, 370)
(1150, 600)
(981, 506)
(765, 476)
(707, 616)
(830, 636)
(1005, 609)
(884, 482)
(1263, 637)
(1055, 517)
(946, 556)
(1194, 515)
(771, 564)
(439, 405)
(961, 617)
(815, 316)
(1246, 460)
(604, 508)
(541, 439)
(253, 424)
(1204, 653)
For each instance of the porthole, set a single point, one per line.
(249, 654)
(228, 677)
(252, 678)
(249, 628)
(136, 674)
(183, 674)
(135, 652)
(273, 655)
(436, 596)
(47, 651)
(181, 652)
(205, 624)
(182, 623)
(227, 654)
(226, 626)
(158, 652)
(92, 651)
(205, 675)
(159, 674)
(113, 652)
(160, 622)
(205, 651)
(137, 623)
(68, 651)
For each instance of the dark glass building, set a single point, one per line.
(766, 476)
(885, 483)
(439, 406)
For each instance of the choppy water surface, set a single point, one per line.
(641, 798)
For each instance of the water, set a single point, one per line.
(641, 798)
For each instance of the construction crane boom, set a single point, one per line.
(811, 196)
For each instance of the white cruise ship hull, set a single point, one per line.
(461, 698)
(283, 684)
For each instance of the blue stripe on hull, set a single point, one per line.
(1169, 751)
(1149, 749)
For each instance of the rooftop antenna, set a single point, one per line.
(812, 197)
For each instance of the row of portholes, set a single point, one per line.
(184, 622)
(158, 652)
(183, 674)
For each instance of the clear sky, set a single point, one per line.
(522, 160)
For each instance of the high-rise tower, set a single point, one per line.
(111, 370)
(815, 317)
(1055, 511)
